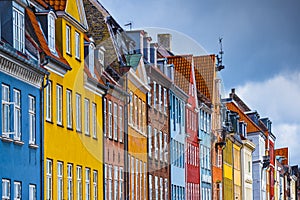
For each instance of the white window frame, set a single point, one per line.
(92, 58)
(77, 45)
(165, 147)
(137, 177)
(150, 141)
(161, 184)
(78, 113)
(51, 31)
(131, 109)
(69, 111)
(94, 120)
(150, 187)
(60, 181)
(166, 189)
(161, 152)
(32, 121)
(116, 181)
(17, 190)
(121, 184)
(49, 179)
(49, 101)
(110, 192)
(121, 123)
(5, 189)
(115, 118)
(70, 181)
(95, 184)
(68, 39)
(139, 114)
(154, 94)
(87, 116)
(32, 192)
(159, 97)
(104, 117)
(87, 184)
(155, 143)
(59, 104)
(136, 114)
(156, 187)
(165, 101)
(79, 182)
(17, 114)
(110, 119)
(18, 28)
(5, 110)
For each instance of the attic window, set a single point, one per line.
(91, 58)
(18, 28)
(51, 31)
(101, 55)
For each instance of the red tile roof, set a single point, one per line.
(58, 5)
(182, 70)
(204, 74)
(284, 152)
(42, 3)
(41, 39)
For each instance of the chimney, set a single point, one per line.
(165, 40)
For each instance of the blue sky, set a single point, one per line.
(261, 40)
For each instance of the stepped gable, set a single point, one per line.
(205, 68)
(182, 70)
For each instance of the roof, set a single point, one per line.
(163, 52)
(58, 5)
(284, 152)
(42, 3)
(204, 74)
(251, 126)
(182, 70)
(42, 41)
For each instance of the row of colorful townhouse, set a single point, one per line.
(91, 111)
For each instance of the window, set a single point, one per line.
(68, 39)
(121, 178)
(87, 184)
(17, 190)
(32, 192)
(91, 58)
(156, 187)
(165, 101)
(31, 120)
(132, 178)
(140, 114)
(166, 147)
(17, 114)
(69, 108)
(95, 184)
(161, 188)
(79, 183)
(154, 94)
(105, 180)
(149, 141)
(120, 123)
(143, 118)
(87, 116)
(18, 29)
(5, 110)
(137, 186)
(161, 153)
(115, 121)
(59, 104)
(70, 181)
(49, 179)
(78, 112)
(159, 97)
(104, 117)
(49, 101)
(51, 32)
(150, 187)
(110, 119)
(130, 108)
(60, 186)
(155, 143)
(116, 180)
(5, 189)
(166, 189)
(135, 119)
(94, 120)
(110, 182)
(77, 45)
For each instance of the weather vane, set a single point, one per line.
(220, 66)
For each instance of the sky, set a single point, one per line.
(261, 44)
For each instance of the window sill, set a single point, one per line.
(78, 59)
(49, 121)
(87, 134)
(95, 138)
(60, 125)
(33, 146)
(18, 142)
(70, 128)
(6, 139)
(69, 54)
(79, 131)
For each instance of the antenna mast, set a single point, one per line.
(220, 66)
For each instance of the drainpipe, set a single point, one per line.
(42, 130)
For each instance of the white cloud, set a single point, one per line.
(279, 99)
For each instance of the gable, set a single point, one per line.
(76, 10)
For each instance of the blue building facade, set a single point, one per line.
(177, 144)
(21, 80)
(205, 151)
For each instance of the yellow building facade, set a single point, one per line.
(137, 132)
(73, 138)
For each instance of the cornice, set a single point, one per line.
(22, 69)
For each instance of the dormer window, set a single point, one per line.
(18, 28)
(91, 58)
(51, 31)
(101, 55)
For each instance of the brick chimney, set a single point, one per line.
(165, 40)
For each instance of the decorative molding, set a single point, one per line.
(56, 69)
(22, 71)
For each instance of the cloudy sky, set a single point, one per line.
(261, 41)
